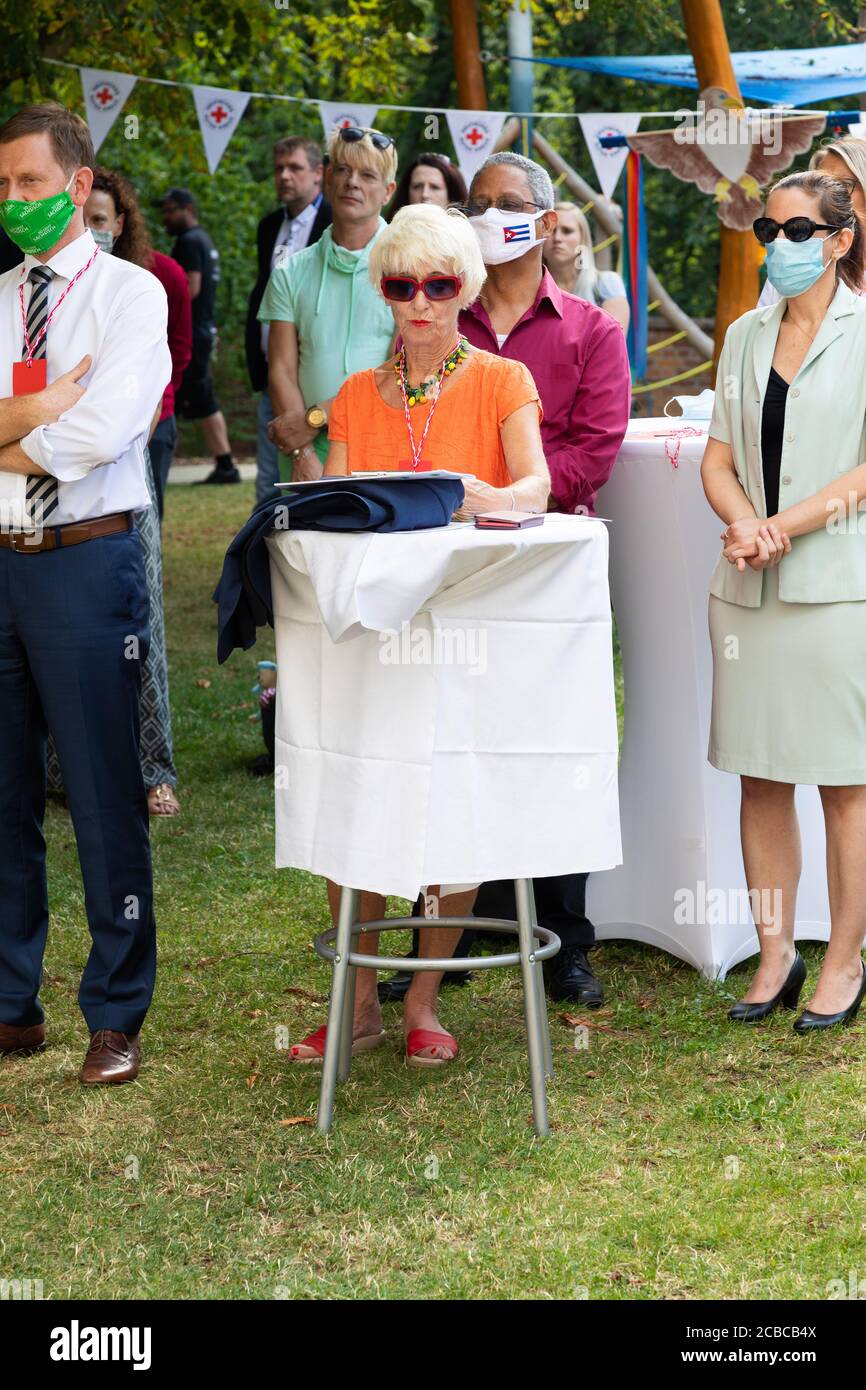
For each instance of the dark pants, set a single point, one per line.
(163, 442)
(560, 903)
(73, 636)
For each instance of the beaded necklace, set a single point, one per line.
(417, 395)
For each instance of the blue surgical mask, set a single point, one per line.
(794, 266)
(103, 238)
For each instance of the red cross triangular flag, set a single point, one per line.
(219, 112)
(336, 114)
(104, 95)
(608, 163)
(474, 134)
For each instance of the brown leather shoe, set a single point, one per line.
(25, 1040)
(111, 1058)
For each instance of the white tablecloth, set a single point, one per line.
(493, 756)
(680, 816)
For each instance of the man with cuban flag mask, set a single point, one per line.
(576, 352)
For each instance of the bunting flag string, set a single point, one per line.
(474, 133)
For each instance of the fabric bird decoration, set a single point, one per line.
(730, 151)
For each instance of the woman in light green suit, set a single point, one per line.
(784, 470)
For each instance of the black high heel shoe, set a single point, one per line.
(788, 997)
(809, 1021)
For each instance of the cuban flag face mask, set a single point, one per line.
(505, 236)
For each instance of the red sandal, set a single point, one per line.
(419, 1038)
(316, 1041)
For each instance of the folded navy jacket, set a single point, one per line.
(244, 590)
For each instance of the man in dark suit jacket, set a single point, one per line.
(10, 255)
(299, 221)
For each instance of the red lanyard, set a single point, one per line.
(31, 347)
(416, 453)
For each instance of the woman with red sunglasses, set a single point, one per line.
(439, 403)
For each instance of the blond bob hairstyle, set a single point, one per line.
(362, 154)
(423, 240)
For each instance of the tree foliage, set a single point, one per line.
(392, 51)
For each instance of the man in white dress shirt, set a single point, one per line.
(73, 598)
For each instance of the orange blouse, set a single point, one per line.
(464, 433)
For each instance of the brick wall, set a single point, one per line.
(670, 361)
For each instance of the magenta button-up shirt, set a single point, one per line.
(577, 355)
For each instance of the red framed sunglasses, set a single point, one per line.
(403, 288)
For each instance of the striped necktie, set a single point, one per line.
(41, 488)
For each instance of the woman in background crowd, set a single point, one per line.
(112, 214)
(430, 178)
(569, 257)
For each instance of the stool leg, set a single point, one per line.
(348, 1025)
(349, 900)
(544, 1018)
(531, 1006)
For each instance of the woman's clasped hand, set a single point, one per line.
(756, 543)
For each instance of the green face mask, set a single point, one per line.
(36, 226)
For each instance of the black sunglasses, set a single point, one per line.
(766, 229)
(353, 133)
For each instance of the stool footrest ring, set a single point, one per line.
(550, 944)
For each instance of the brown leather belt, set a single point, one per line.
(54, 537)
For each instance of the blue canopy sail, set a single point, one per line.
(783, 77)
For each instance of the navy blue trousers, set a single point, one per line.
(73, 636)
(560, 902)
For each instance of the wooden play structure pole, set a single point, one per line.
(740, 253)
(471, 90)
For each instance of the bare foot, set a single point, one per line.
(769, 977)
(425, 1016)
(162, 801)
(837, 988)
(367, 1023)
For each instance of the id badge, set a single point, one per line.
(28, 377)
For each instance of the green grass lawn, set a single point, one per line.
(688, 1158)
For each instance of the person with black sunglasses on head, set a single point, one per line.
(784, 471)
(302, 216)
(326, 319)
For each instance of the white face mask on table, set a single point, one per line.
(692, 407)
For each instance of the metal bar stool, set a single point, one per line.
(338, 1040)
